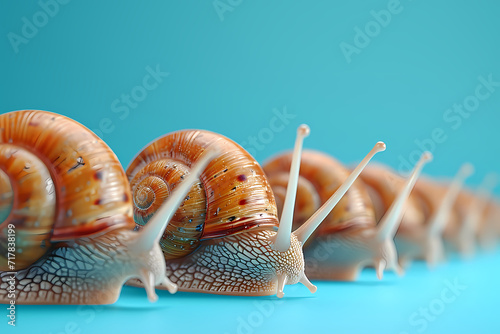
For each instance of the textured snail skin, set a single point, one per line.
(66, 194)
(240, 265)
(232, 208)
(86, 271)
(345, 242)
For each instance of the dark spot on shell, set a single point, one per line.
(261, 214)
(125, 197)
(187, 197)
(232, 218)
(225, 170)
(243, 201)
(97, 202)
(98, 175)
(233, 189)
(242, 178)
(212, 193)
(182, 177)
(199, 228)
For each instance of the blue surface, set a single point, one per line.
(419, 302)
(231, 74)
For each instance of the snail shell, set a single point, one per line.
(320, 176)
(231, 197)
(58, 182)
(383, 185)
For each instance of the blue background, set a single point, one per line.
(230, 72)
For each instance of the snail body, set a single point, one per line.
(66, 201)
(351, 237)
(226, 237)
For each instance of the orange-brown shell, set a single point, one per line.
(320, 176)
(384, 185)
(231, 197)
(66, 182)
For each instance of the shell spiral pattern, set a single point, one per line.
(58, 182)
(232, 196)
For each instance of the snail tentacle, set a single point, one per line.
(389, 224)
(387, 258)
(281, 241)
(305, 230)
(434, 252)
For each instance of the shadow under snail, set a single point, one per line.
(351, 237)
(65, 206)
(226, 237)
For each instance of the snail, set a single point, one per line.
(350, 237)
(226, 237)
(461, 233)
(65, 206)
(427, 213)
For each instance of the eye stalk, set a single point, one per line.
(437, 223)
(281, 240)
(389, 224)
(305, 230)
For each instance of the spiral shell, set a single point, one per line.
(231, 197)
(59, 182)
(320, 176)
